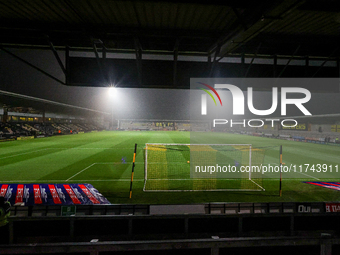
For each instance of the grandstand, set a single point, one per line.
(164, 125)
(108, 134)
(15, 130)
(315, 129)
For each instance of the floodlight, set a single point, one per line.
(112, 90)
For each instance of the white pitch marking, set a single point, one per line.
(309, 176)
(24, 153)
(36, 181)
(109, 180)
(119, 162)
(101, 163)
(80, 172)
(93, 148)
(61, 181)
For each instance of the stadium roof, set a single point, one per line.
(250, 31)
(10, 99)
(263, 27)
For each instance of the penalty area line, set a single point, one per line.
(80, 172)
(99, 163)
(118, 162)
(309, 176)
(61, 181)
(110, 180)
(32, 181)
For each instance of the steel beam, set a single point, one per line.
(325, 61)
(100, 66)
(139, 52)
(175, 62)
(56, 55)
(290, 59)
(242, 37)
(33, 66)
(213, 63)
(252, 60)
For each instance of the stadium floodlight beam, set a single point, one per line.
(112, 90)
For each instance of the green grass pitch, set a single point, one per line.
(104, 159)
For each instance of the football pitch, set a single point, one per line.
(104, 159)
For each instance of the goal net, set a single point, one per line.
(202, 167)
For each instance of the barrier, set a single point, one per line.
(220, 226)
(25, 137)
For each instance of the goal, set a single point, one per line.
(202, 167)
